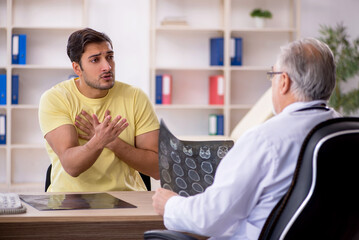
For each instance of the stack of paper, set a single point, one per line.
(174, 20)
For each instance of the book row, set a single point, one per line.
(18, 50)
(217, 51)
(14, 89)
(163, 89)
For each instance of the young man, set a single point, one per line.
(257, 172)
(100, 133)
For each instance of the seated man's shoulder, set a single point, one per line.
(128, 90)
(61, 90)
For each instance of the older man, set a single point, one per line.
(258, 170)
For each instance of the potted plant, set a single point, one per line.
(260, 16)
(346, 56)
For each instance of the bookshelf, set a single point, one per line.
(47, 24)
(183, 51)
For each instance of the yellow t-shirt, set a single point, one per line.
(63, 102)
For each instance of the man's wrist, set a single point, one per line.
(112, 145)
(93, 143)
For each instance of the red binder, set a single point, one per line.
(216, 90)
(166, 89)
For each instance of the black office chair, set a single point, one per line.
(321, 202)
(48, 178)
(146, 179)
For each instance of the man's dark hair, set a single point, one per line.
(79, 39)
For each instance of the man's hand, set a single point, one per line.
(90, 126)
(160, 199)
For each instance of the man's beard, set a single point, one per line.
(96, 85)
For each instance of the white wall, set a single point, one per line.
(331, 12)
(127, 23)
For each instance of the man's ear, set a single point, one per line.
(77, 69)
(285, 83)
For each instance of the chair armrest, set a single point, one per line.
(166, 235)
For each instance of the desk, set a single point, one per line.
(129, 223)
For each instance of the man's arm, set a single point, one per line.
(143, 156)
(76, 159)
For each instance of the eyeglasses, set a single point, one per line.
(271, 74)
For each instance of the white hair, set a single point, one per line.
(310, 65)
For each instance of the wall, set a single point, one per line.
(331, 12)
(328, 12)
(127, 24)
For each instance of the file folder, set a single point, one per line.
(212, 124)
(15, 89)
(220, 124)
(216, 52)
(159, 89)
(18, 54)
(216, 90)
(2, 89)
(2, 129)
(236, 51)
(166, 89)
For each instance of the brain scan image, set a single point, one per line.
(205, 152)
(166, 176)
(181, 183)
(173, 144)
(164, 162)
(193, 175)
(190, 163)
(163, 148)
(197, 187)
(207, 167)
(178, 170)
(188, 151)
(175, 157)
(222, 151)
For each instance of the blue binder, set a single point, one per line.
(15, 89)
(2, 129)
(18, 54)
(2, 89)
(220, 125)
(236, 58)
(159, 89)
(216, 52)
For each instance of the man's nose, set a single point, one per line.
(106, 66)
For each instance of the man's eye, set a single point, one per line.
(110, 57)
(94, 60)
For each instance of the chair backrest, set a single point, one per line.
(321, 202)
(48, 178)
(147, 180)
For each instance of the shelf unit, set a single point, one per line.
(47, 24)
(183, 52)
